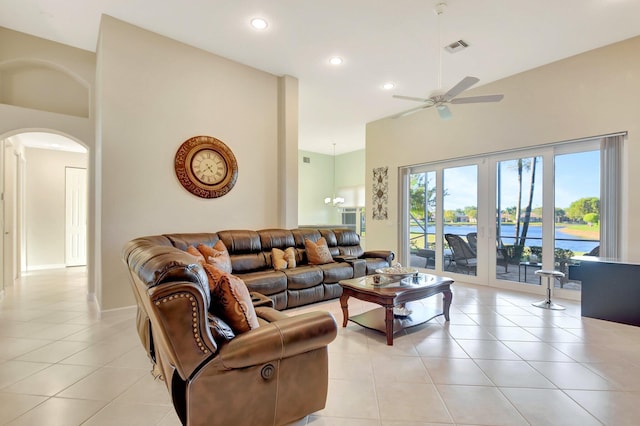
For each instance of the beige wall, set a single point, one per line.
(153, 93)
(316, 183)
(45, 110)
(18, 50)
(591, 94)
(45, 205)
(350, 171)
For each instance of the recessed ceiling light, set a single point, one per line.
(259, 24)
(388, 85)
(336, 60)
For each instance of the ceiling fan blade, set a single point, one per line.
(411, 111)
(463, 85)
(444, 112)
(476, 99)
(411, 98)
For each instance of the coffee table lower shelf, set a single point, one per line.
(375, 318)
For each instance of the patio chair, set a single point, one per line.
(461, 253)
(472, 238)
(502, 257)
(501, 253)
(594, 252)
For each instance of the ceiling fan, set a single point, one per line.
(440, 100)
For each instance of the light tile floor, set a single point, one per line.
(499, 361)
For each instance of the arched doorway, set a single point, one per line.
(40, 170)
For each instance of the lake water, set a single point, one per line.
(534, 236)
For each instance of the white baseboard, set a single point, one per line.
(125, 308)
(42, 267)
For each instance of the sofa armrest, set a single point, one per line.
(387, 255)
(179, 311)
(344, 258)
(277, 340)
(258, 299)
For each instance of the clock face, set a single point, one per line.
(206, 167)
(209, 167)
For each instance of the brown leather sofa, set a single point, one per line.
(270, 375)
(250, 253)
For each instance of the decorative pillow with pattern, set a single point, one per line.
(231, 301)
(218, 255)
(283, 259)
(318, 253)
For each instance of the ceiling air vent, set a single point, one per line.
(456, 46)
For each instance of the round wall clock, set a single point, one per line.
(206, 167)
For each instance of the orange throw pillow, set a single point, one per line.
(213, 274)
(318, 253)
(217, 255)
(194, 252)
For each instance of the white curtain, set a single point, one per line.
(610, 195)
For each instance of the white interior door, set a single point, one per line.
(9, 196)
(76, 217)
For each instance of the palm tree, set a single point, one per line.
(522, 165)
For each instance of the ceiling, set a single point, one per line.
(379, 40)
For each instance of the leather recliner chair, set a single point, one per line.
(271, 375)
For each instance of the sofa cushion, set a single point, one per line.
(303, 277)
(241, 241)
(230, 300)
(334, 272)
(301, 234)
(355, 251)
(182, 241)
(249, 262)
(349, 242)
(217, 255)
(275, 238)
(318, 253)
(267, 282)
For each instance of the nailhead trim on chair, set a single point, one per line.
(192, 299)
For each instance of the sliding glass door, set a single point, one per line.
(421, 219)
(460, 218)
(577, 210)
(497, 219)
(440, 226)
(519, 219)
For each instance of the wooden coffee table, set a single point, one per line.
(390, 292)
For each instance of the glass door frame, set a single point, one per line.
(481, 163)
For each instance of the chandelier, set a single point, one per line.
(334, 201)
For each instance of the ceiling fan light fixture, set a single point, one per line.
(444, 112)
